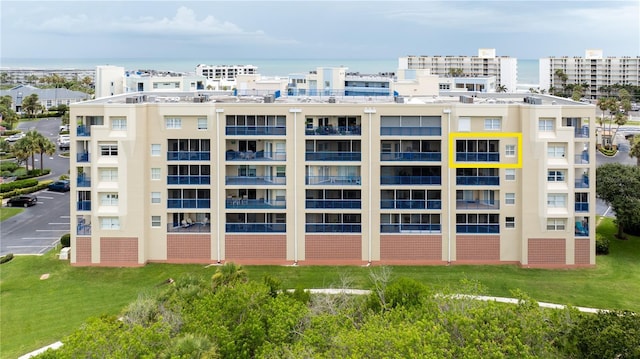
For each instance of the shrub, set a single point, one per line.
(19, 191)
(65, 240)
(6, 187)
(6, 258)
(602, 244)
(8, 166)
(35, 173)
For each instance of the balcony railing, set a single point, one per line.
(83, 131)
(241, 203)
(582, 158)
(83, 229)
(478, 180)
(333, 228)
(410, 131)
(582, 207)
(255, 180)
(334, 131)
(188, 180)
(333, 203)
(255, 130)
(477, 228)
(478, 156)
(256, 227)
(83, 205)
(189, 203)
(83, 181)
(333, 180)
(255, 156)
(410, 179)
(411, 204)
(410, 228)
(410, 156)
(195, 227)
(463, 204)
(581, 132)
(188, 156)
(333, 156)
(583, 182)
(82, 157)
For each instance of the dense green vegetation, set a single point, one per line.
(39, 312)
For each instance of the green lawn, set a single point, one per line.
(7, 212)
(36, 312)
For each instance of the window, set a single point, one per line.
(555, 176)
(202, 123)
(464, 124)
(173, 122)
(510, 150)
(118, 124)
(108, 174)
(155, 149)
(109, 223)
(556, 224)
(545, 125)
(510, 198)
(155, 197)
(492, 124)
(510, 174)
(557, 200)
(556, 151)
(109, 149)
(155, 221)
(155, 173)
(109, 199)
(510, 222)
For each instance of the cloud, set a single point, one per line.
(65, 24)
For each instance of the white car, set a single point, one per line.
(15, 137)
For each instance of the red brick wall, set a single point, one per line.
(119, 250)
(255, 247)
(83, 250)
(333, 247)
(546, 251)
(476, 248)
(582, 252)
(410, 248)
(188, 247)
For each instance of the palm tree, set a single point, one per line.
(20, 152)
(634, 150)
(31, 145)
(227, 274)
(501, 88)
(45, 147)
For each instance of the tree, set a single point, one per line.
(44, 146)
(634, 150)
(612, 106)
(31, 104)
(21, 152)
(8, 115)
(619, 185)
(228, 273)
(453, 72)
(30, 142)
(501, 88)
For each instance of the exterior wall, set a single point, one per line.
(546, 252)
(189, 248)
(256, 248)
(478, 248)
(410, 249)
(109, 81)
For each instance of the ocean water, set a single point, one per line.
(527, 68)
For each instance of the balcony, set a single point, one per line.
(255, 130)
(83, 205)
(82, 157)
(410, 228)
(187, 180)
(477, 156)
(255, 156)
(582, 228)
(256, 227)
(410, 131)
(477, 228)
(582, 181)
(83, 230)
(334, 131)
(188, 156)
(329, 204)
(410, 180)
(333, 180)
(411, 204)
(333, 156)
(410, 156)
(245, 203)
(478, 180)
(477, 204)
(582, 207)
(582, 158)
(83, 131)
(333, 228)
(83, 181)
(189, 228)
(255, 180)
(188, 203)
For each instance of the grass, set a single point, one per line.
(8, 212)
(36, 312)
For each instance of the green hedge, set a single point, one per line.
(6, 187)
(602, 244)
(6, 258)
(8, 166)
(34, 173)
(19, 191)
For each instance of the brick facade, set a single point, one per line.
(582, 252)
(256, 247)
(547, 251)
(478, 248)
(410, 248)
(119, 251)
(333, 247)
(83, 250)
(189, 248)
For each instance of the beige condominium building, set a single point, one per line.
(185, 177)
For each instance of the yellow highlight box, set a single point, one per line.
(483, 135)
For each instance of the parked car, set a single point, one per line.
(15, 137)
(60, 186)
(64, 128)
(24, 200)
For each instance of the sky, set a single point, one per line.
(315, 29)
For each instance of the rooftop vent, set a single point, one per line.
(533, 100)
(466, 99)
(269, 99)
(332, 99)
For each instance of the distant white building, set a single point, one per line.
(503, 68)
(114, 80)
(222, 72)
(48, 98)
(593, 69)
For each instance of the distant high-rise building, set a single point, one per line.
(225, 72)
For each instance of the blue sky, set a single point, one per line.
(315, 29)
